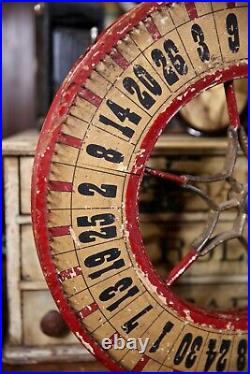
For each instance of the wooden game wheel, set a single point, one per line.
(90, 161)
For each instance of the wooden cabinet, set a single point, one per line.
(29, 300)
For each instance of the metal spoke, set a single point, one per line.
(181, 267)
(178, 179)
(243, 139)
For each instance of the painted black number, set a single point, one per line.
(166, 329)
(146, 100)
(89, 189)
(198, 37)
(242, 354)
(110, 256)
(183, 348)
(122, 114)
(233, 31)
(190, 346)
(109, 155)
(192, 356)
(105, 232)
(120, 286)
(178, 65)
(222, 361)
(211, 354)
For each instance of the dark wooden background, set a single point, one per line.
(19, 67)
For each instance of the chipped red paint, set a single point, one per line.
(51, 133)
(87, 310)
(69, 140)
(60, 186)
(230, 5)
(90, 97)
(119, 59)
(181, 266)
(191, 10)
(141, 363)
(152, 29)
(178, 179)
(232, 105)
(59, 231)
(69, 273)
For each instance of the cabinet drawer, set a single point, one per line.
(30, 267)
(26, 165)
(36, 304)
(214, 296)
(168, 241)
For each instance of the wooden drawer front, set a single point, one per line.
(167, 242)
(26, 164)
(30, 266)
(214, 296)
(36, 304)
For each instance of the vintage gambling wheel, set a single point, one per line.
(90, 160)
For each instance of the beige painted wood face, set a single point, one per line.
(87, 221)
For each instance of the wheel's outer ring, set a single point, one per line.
(45, 149)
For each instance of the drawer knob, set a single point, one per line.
(52, 324)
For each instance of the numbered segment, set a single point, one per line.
(96, 189)
(102, 150)
(95, 226)
(170, 61)
(143, 312)
(117, 292)
(201, 38)
(143, 86)
(239, 356)
(120, 116)
(163, 334)
(188, 348)
(232, 33)
(216, 353)
(103, 261)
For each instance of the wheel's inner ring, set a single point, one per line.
(172, 217)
